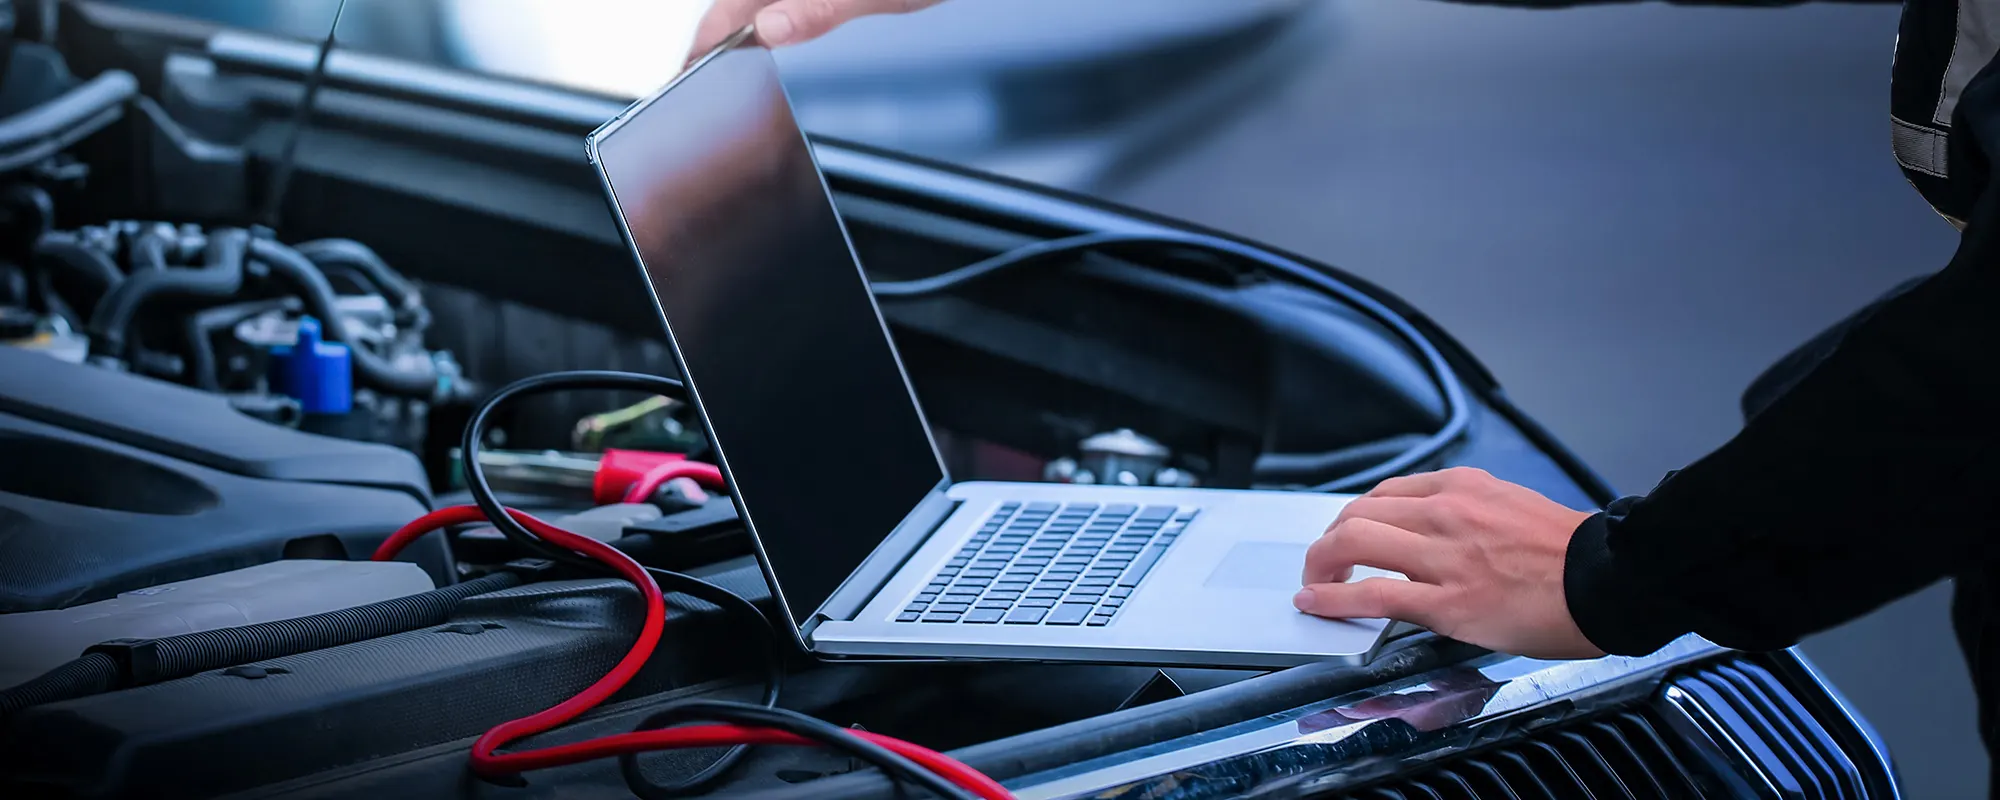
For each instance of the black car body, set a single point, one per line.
(477, 190)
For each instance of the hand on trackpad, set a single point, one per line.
(1264, 566)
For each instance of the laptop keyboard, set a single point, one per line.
(1050, 564)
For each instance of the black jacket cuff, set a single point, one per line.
(1611, 603)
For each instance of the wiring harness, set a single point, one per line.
(734, 725)
(1458, 408)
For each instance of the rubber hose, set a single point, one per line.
(361, 258)
(62, 250)
(370, 369)
(94, 673)
(151, 661)
(219, 278)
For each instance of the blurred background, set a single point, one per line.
(1626, 211)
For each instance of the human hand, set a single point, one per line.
(1484, 559)
(783, 22)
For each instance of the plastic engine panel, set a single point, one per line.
(112, 482)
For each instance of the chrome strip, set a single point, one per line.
(1876, 746)
(1367, 734)
(1696, 724)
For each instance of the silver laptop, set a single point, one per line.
(871, 549)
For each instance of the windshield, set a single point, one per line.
(1056, 91)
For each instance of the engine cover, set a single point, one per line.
(111, 482)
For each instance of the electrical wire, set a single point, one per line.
(948, 774)
(1457, 405)
(831, 736)
(482, 416)
(488, 762)
(774, 684)
(708, 475)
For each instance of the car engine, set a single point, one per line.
(242, 330)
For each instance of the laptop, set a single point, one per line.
(871, 549)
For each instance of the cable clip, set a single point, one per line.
(138, 659)
(530, 569)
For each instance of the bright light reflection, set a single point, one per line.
(623, 48)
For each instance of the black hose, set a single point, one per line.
(361, 258)
(36, 134)
(64, 252)
(219, 278)
(370, 370)
(94, 673)
(142, 662)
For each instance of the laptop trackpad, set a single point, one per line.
(1266, 566)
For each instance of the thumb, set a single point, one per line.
(794, 21)
(1392, 598)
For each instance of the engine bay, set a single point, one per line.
(239, 343)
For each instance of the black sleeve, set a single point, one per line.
(1875, 475)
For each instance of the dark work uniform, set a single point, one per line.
(1870, 463)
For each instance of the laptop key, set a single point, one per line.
(1069, 614)
(984, 616)
(927, 597)
(909, 616)
(1035, 602)
(1027, 616)
(1122, 592)
(938, 617)
(950, 608)
(1099, 621)
(1003, 605)
(1142, 565)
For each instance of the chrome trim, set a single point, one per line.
(1369, 734)
(1695, 723)
(1859, 724)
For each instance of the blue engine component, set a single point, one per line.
(317, 373)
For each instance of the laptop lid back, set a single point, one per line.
(772, 320)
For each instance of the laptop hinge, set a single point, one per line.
(896, 550)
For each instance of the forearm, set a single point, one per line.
(1869, 479)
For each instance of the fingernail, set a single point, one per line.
(1303, 600)
(775, 27)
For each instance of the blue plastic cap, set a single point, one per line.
(319, 374)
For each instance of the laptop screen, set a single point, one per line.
(777, 331)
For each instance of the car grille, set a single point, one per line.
(1730, 729)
